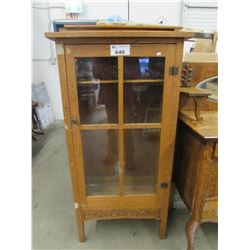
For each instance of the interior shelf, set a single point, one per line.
(116, 81)
(143, 81)
(95, 81)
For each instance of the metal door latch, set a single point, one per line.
(74, 120)
(164, 185)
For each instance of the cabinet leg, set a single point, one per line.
(80, 225)
(191, 226)
(163, 227)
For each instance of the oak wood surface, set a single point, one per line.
(196, 168)
(69, 138)
(120, 122)
(105, 25)
(170, 87)
(189, 91)
(92, 43)
(122, 126)
(200, 72)
(118, 33)
(206, 128)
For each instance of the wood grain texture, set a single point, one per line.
(125, 201)
(80, 224)
(168, 130)
(191, 91)
(105, 25)
(121, 121)
(114, 40)
(69, 138)
(196, 169)
(144, 43)
(187, 103)
(118, 33)
(122, 213)
(200, 71)
(201, 57)
(206, 128)
(76, 132)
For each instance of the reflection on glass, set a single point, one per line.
(212, 85)
(142, 102)
(143, 67)
(97, 89)
(98, 103)
(141, 160)
(96, 68)
(100, 149)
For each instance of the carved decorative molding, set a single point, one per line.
(186, 76)
(116, 213)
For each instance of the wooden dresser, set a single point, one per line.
(196, 168)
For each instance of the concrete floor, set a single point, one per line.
(54, 224)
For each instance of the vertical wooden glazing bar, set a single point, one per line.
(120, 121)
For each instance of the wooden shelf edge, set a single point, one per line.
(82, 82)
(194, 92)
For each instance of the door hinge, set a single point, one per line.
(173, 70)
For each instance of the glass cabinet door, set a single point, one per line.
(118, 105)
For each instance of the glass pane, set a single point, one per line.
(96, 68)
(98, 103)
(97, 89)
(100, 149)
(142, 102)
(141, 160)
(144, 67)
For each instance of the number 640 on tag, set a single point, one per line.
(120, 50)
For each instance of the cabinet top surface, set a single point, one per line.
(207, 128)
(118, 30)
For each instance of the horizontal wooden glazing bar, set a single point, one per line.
(123, 126)
(98, 126)
(141, 125)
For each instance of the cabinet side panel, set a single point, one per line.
(187, 159)
(67, 121)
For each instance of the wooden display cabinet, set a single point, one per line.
(120, 115)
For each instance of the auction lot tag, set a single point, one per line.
(120, 50)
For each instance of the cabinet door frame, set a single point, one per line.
(172, 53)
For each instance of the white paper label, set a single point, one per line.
(120, 50)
